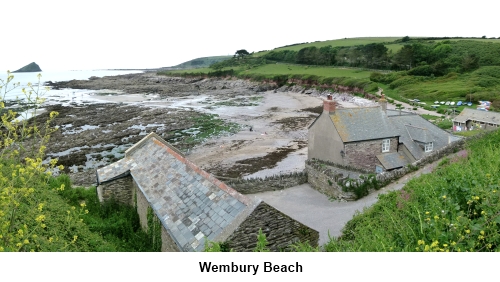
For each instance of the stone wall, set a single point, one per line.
(119, 189)
(364, 154)
(141, 205)
(167, 243)
(272, 183)
(281, 231)
(325, 181)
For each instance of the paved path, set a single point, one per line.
(315, 210)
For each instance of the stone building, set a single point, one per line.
(372, 138)
(191, 205)
(470, 119)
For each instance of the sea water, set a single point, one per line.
(24, 78)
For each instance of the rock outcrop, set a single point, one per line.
(33, 67)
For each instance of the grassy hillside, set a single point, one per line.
(337, 43)
(203, 62)
(455, 208)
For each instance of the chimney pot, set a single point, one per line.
(329, 106)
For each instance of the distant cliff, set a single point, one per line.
(33, 67)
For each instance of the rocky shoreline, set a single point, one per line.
(233, 128)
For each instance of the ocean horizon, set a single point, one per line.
(26, 77)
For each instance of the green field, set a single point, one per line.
(277, 69)
(288, 69)
(335, 43)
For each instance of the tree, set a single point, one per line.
(241, 53)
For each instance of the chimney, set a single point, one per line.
(383, 103)
(329, 105)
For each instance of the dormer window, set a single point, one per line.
(428, 147)
(386, 145)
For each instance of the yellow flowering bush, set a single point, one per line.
(456, 208)
(31, 217)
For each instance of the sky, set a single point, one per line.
(104, 34)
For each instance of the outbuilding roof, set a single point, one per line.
(393, 160)
(476, 115)
(190, 203)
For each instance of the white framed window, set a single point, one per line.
(428, 147)
(386, 145)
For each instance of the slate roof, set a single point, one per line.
(393, 160)
(476, 115)
(414, 129)
(419, 133)
(190, 203)
(358, 124)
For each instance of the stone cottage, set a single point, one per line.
(191, 205)
(372, 138)
(470, 119)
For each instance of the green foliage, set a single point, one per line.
(454, 208)
(154, 230)
(445, 123)
(261, 242)
(204, 126)
(203, 62)
(117, 223)
(39, 212)
(362, 187)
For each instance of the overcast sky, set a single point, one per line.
(104, 34)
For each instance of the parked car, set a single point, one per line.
(442, 102)
(452, 103)
(469, 104)
(459, 103)
(447, 103)
(437, 102)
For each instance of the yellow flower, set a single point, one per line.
(482, 232)
(426, 212)
(51, 239)
(421, 242)
(40, 218)
(444, 197)
(26, 241)
(436, 217)
(467, 231)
